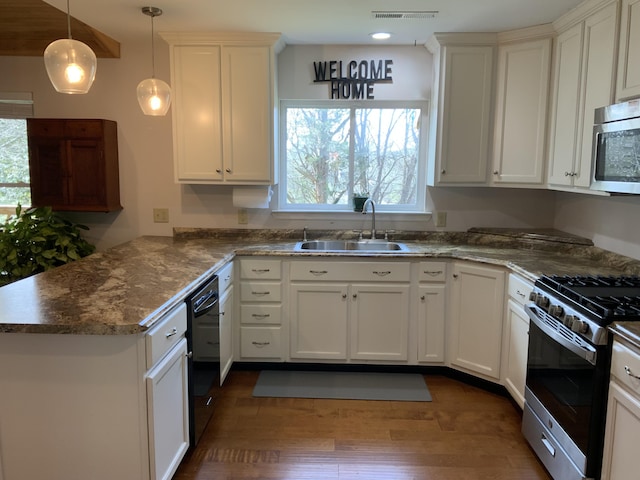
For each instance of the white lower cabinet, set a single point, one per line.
(623, 415)
(319, 321)
(168, 412)
(362, 317)
(516, 336)
(431, 311)
(259, 328)
(225, 327)
(476, 312)
(95, 406)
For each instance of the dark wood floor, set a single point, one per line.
(465, 433)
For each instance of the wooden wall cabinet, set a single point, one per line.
(73, 164)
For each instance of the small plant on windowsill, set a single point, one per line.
(37, 239)
(358, 201)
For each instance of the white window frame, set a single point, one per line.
(421, 204)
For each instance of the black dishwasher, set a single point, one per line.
(203, 341)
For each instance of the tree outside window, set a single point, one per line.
(14, 163)
(332, 153)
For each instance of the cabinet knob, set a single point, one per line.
(496, 172)
(443, 171)
(228, 170)
(218, 170)
(344, 295)
(423, 297)
(355, 295)
(455, 275)
(567, 174)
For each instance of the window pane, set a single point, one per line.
(317, 156)
(386, 154)
(14, 162)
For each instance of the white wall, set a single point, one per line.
(145, 150)
(613, 223)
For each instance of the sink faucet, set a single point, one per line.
(373, 216)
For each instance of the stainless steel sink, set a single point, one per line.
(350, 246)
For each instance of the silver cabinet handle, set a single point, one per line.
(630, 373)
(318, 272)
(260, 293)
(260, 270)
(260, 344)
(520, 293)
(433, 273)
(173, 332)
(260, 315)
(382, 274)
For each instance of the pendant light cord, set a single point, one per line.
(153, 51)
(68, 21)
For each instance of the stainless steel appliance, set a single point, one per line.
(616, 148)
(568, 368)
(203, 341)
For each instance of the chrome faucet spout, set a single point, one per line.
(373, 216)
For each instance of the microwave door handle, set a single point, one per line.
(586, 354)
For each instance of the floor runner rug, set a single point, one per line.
(408, 387)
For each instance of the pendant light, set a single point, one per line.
(71, 64)
(154, 95)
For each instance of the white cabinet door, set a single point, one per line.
(431, 323)
(318, 314)
(168, 412)
(225, 326)
(379, 322)
(197, 107)
(521, 112)
(585, 73)
(621, 435)
(565, 107)
(477, 306)
(517, 332)
(247, 114)
(629, 54)
(460, 129)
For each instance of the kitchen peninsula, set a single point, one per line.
(77, 337)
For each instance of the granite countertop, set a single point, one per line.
(125, 289)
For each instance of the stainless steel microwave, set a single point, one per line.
(616, 148)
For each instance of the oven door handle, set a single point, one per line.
(586, 353)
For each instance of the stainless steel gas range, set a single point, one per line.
(568, 368)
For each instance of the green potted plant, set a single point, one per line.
(358, 201)
(38, 239)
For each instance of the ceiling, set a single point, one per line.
(26, 26)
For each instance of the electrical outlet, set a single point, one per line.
(243, 216)
(441, 219)
(160, 215)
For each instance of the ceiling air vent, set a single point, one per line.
(396, 15)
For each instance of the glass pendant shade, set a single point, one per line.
(154, 96)
(71, 65)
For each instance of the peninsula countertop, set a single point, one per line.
(125, 289)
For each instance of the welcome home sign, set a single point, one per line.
(352, 79)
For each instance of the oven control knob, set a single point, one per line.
(556, 311)
(568, 320)
(533, 296)
(579, 326)
(542, 301)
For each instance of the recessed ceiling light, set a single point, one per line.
(380, 35)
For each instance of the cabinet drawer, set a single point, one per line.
(225, 277)
(519, 289)
(83, 129)
(432, 272)
(45, 128)
(260, 269)
(260, 342)
(260, 292)
(625, 366)
(351, 271)
(166, 334)
(261, 314)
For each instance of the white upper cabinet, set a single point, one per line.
(585, 56)
(521, 110)
(629, 55)
(224, 106)
(461, 103)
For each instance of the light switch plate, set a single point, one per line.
(243, 216)
(160, 215)
(441, 219)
